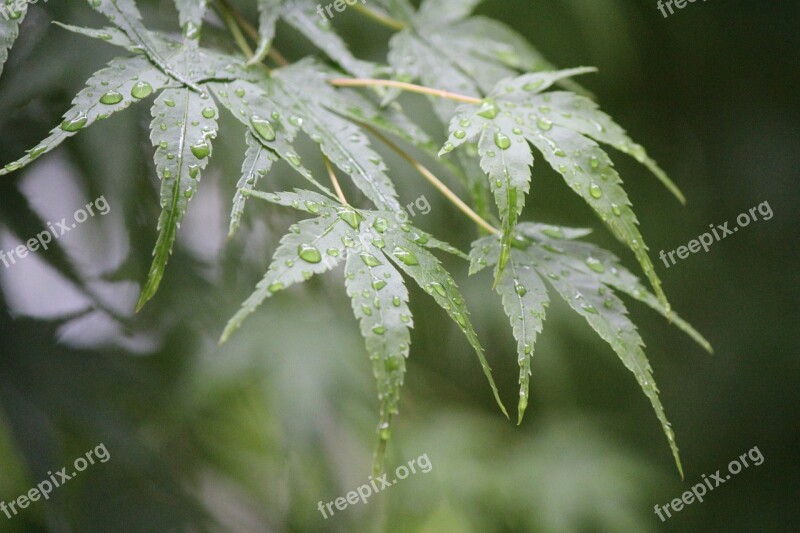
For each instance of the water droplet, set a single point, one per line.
(406, 256)
(460, 318)
(169, 102)
(309, 253)
(437, 287)
(201, 149)
(459, 134)
(74, 124)
(209, 112)
(448, 147)
(589, 309)
(595, 191)
(544, 124)
(533, 86)
(351, 217)
(378, 284)
(111, 98)
(275, 287)
(263, 127)
(396, 301)
(378, 242)
(502, 141)
(554, 233)
(333, 252)
(594, 162)
(608, 303)
(464, 123)
(37, 151)
(370, 260)
(521, 290)
(489, 110)
(296, 121)
(293, 159)
(379, 330)
(595, 264)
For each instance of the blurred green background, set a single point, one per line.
(249, 437)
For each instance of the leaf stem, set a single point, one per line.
(436, 182)
(385, 20)
(361, 82)
(243, 24)
(336, 186)
(226, 12)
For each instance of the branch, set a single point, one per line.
(358, 82)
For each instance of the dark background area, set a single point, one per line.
(250, 436)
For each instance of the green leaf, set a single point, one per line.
(582, 115)
(525, 301)
(370, 242)
(380, 303)
(427, 271)
(518, 114)
(257, 163)
(184, 123)
(609, 270)
(11, 17)
(302, 90)
(445, 49)
(190, 16)
(303, 16)
(584, 276)
(123, 82)
(325, 235)
(438, 13)
(269, 13)
(125, 15)
(266, 121)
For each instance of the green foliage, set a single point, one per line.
(460, 58)
(9, 27)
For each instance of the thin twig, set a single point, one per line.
(386, 20)
(436, 182)
(359, 82)
(336, 186)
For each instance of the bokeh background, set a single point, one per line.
(250, 436)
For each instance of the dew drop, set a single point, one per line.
(111, 98)
(370, 260)
(544, 124)
(406, 256)
(352, 218)
(595, 191)
(309, 253)
(75, 124)
(263, 127)
(502, 141)
(595, 264)
(489, 110)
(201, 149)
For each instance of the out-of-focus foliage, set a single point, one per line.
(251, 437)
